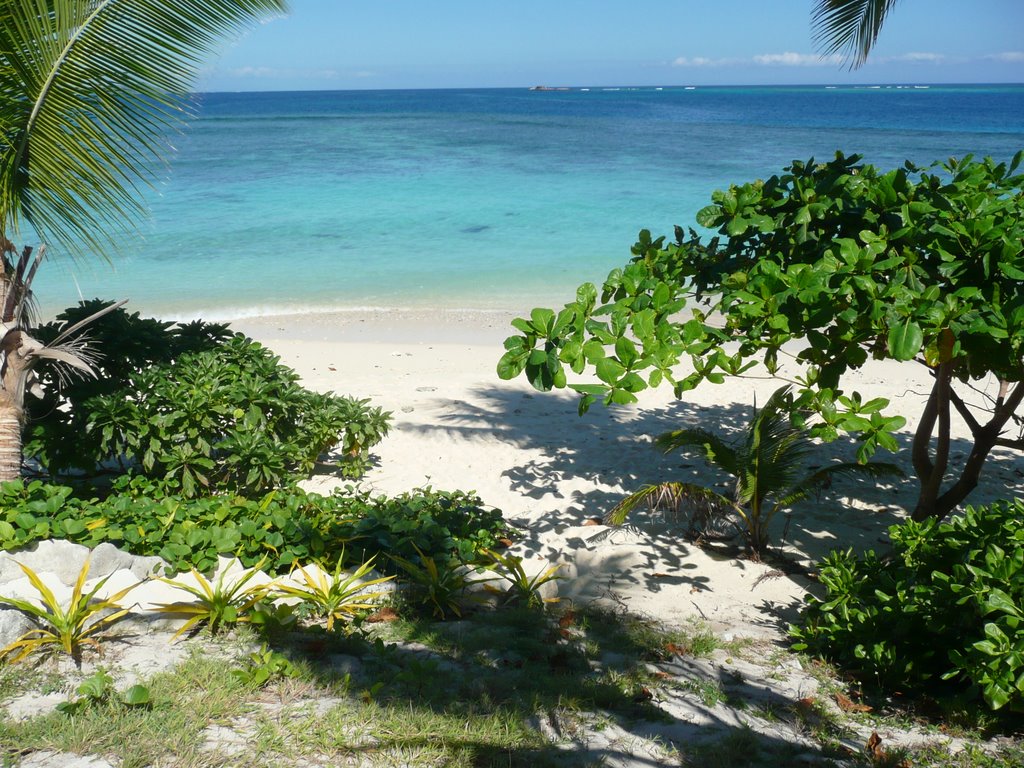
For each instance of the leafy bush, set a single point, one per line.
(193, 406)
(284, 526)
(944, 606)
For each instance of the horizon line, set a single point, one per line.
(543, 88)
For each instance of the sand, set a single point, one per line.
(552, 473)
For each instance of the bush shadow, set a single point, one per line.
(578, 468)
(603, 688)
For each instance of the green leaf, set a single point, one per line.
(905, 340)
(542, 320)
(998, 600)
(625, 350)
(609, 370)
(136, 696)
(709, 216)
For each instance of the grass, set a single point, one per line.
(422, 693)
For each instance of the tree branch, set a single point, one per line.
(965, 412)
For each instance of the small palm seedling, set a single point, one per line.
(341, 596)
(768, 463)
(442, 587)
(218, 604)
(523, 589)
(64, 628)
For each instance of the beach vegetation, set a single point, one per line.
(281, 528)
(193, 406)
(940, 615)
(523, 589)
(439, 584)
(264, 666)
(810, 274)
(222, 603)
(90, 94)
(98, 690)
(342, 594)
(60, 627)
(769, 465)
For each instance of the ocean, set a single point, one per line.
(498, 199)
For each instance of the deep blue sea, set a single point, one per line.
(497, 198)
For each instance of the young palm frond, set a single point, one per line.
(822, 479)
(769, 467)
(698, 501)
(772, 454)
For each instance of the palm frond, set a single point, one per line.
(89, 92)
(674, 495)
(822, 479)
(849, 27)
(715, 449)
(773, 452)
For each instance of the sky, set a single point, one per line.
(370, 44)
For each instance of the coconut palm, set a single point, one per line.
(850, 27)
(768, 463)
(89, 92)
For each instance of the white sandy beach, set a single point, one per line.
(456, 425)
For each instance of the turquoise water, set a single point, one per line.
(314, 201)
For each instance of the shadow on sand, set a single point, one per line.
(583, 466)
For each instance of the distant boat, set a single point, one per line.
(690, 88)
(547, 88)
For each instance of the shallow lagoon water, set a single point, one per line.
(487, 199)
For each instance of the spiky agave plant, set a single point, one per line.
(64, 627)
(768, 463)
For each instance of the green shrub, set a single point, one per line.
(194, 406)
(284, 526)
(943, 609)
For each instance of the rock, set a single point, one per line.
(107, 558)
(65, 560)
(60, 557)
(34, 705)
(13, 624)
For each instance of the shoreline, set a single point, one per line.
(380, 325)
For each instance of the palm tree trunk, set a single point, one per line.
(13, 371)
(10, 439)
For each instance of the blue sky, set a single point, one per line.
(357, 44)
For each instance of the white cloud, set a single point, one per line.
(697, 61)
(1008, 57)
(268, 73)
(920, 56)
(791, 59)
(258, 72)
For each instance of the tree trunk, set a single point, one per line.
(13, 371)
(10, 439)
(931, 500)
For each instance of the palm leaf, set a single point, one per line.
(849, 27)
(714, 448)
(673, 494)
(822, 479)
(773, 453)
(89, 92)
